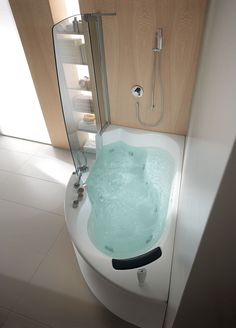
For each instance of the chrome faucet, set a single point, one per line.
(82, 168)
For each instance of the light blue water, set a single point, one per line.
(129, 189)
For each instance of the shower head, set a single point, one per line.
(159, 40)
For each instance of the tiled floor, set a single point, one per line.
(40, 282)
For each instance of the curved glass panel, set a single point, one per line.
(78, 46)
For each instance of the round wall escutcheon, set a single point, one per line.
(137, 91)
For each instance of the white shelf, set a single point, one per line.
(87, 127)
(73, 34)
(82, 101)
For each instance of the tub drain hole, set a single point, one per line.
(110, 249)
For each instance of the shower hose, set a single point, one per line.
(153, 108)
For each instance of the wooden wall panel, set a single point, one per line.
(34, 22)
(129, 38)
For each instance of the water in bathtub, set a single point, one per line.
(129, 190)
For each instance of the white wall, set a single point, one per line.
(209, 296)
(20, 111)
(210, 138)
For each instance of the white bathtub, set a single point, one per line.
(119, 290)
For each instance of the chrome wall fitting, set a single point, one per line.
(137, 91)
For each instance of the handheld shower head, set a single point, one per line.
(159, 40)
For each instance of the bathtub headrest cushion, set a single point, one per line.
(138, 261)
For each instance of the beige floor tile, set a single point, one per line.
(3, 316)
(26, 235)
(19, 145)
(44, 195)
(58, 295)
(10, 290)
(53, 152)
(50, 169)
(12, 160)
(18, 321)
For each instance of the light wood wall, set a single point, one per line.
(129, 38)
(34, 22)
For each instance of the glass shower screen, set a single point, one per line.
(81, 72)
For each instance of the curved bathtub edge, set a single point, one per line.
(138, 310)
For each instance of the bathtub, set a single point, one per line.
(112, 281)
